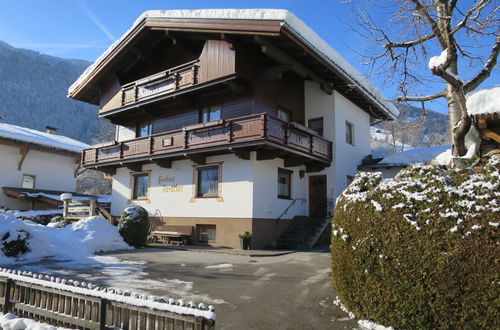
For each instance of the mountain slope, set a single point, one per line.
(411, 130)
(33, 90)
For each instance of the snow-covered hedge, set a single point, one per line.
(78, 240)
(420, 250)
(134, 226)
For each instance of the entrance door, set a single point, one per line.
(317, 196)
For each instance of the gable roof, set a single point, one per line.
(27, 136)
(285, 22)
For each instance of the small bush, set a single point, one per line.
(15, 243)
(134, 226)
(420, 250)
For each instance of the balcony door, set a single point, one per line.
(317, 196)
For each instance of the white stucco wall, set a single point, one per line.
(346, 156)
(249, 190)
(237, 178)
(266, 204)
(335, 110)
(52, 171)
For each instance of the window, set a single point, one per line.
(284, 114)
(284, 183)
(316, 125)
(144, 128)
(141, 185)
(206, 233)
(210, 113)
(28, 181)
(349, 133)
(207, 181)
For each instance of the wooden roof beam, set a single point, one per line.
(279, 56)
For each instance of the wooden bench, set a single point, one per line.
(172, 235)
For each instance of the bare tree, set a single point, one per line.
(409, 32)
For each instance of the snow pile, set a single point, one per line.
(11, 322)
(178, 306)
(52, 141)
(414, 156)
(443, 158)
(484, 101)
(437, 61)
(79, 240)
(289, 20)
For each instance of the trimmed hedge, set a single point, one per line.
(134, 226)
(420, 250)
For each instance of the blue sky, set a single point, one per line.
(83, 29)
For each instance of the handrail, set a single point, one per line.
(303, 200)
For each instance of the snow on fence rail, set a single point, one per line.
(83, 305)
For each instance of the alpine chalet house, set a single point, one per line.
(229, 121)
(36, 167)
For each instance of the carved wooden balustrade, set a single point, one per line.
(179, 77)
(219, 134)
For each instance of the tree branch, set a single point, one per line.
(422, 98)
(435, 29)
(408, 44)
(487, 68)
(478, 7)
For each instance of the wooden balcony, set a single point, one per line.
(167, 81)
(269, 135)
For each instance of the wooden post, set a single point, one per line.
(102, 314)
(92, 206)
(6, 306)
(65, 208)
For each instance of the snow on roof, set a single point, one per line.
(45, 140)
(290, 21)
(413, 156)
(484, 101)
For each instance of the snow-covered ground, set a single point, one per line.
(76, 242)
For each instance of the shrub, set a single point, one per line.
(134, 226)
(15, 243)
(420, 250)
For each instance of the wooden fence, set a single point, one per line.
(80, 209)
(85, 306)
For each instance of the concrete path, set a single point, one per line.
(291, 291)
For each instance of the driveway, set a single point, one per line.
(291, 291)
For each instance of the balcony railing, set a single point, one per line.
(259, 128)
(170, 80)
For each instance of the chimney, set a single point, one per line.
(51, 130)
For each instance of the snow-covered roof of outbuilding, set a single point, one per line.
(23, 135)
(484, 101)
(414, 156)
(288, 21)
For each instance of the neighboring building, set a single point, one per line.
(392, 164)
(35, 166)
(226, 120)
